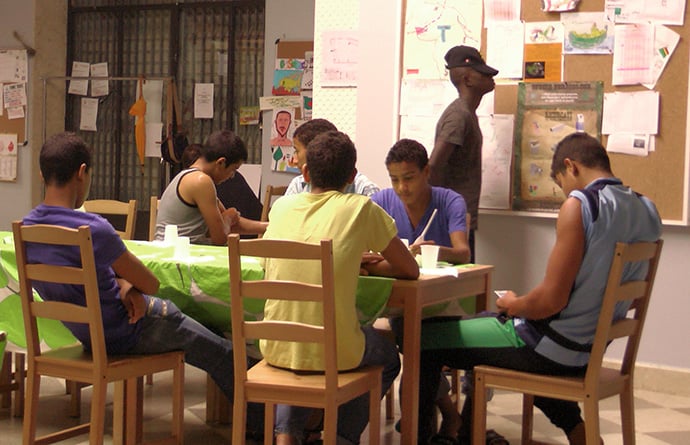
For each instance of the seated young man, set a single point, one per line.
(548, 329)
(134, 321)
(356, 225)
(411, 202)
(191, 203)
(303, 135)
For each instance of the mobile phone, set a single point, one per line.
(500, 293)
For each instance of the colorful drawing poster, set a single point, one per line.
(249, 115)
(547, 112)
(543, 52)
(587, 33)
(287, 82)
(432, 27)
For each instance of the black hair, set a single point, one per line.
(224, 144)
(190, 154)
(331, 159)
(306, 132)
(61, 156)
(408, 150)
(582, 148)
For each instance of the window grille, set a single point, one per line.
(219, 42)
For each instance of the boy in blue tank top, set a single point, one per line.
(548, 329)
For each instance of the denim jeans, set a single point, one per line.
(353, 416)
(165, 328)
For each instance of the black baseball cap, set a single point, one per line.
(463, 55)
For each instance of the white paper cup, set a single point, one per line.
(429, 256)
(405, 242)
(182, 247)
(170, 236)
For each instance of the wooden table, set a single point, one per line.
(413, 295)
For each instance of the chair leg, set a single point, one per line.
(527, 418)
(479, 409)
(19, 379)
(74, 390)
(149, 379)
(390, 403)
(330, 424)
(269, 422)
(6, 381)
(239, 417)
(178, 403)
(119, 423)
(98, 399)
(33, 388)
(375, 415)
(627, 404)
(591, 411)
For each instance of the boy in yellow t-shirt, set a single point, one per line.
(356, 225)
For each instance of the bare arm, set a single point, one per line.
(552, 294)
(198, 188)
(439, 158)
(397, 263)
(459, 252)
(132, 270)
(249, 226)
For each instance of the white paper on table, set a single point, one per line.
(635, 113)
(203, 101)
(153, 95)
(89, 114)
(665, 42)
(14, 95)
(632, 54)
(504, 48)
(501, 11)
(80, 87)
(15, 112)
(451, 271)
(154, 134)
(628, 143)
(99, 87)
(497, 155)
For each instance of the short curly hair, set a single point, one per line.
(61, 156)
(583, 148)
(331, 159)
(408, 150)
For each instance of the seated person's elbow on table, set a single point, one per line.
(403, 264)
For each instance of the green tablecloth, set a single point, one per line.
(199, 287)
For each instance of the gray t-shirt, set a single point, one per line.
(463, 171)
(187, 217)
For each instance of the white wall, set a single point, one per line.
(15, 197)
(293, 20)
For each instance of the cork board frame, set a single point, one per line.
(663, 175)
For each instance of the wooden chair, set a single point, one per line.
(113, 207)
(270, 385)
(599, 382)
(153, 214)
(72, 362)
(272, 191)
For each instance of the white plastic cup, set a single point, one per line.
(182, 247)
(170, 236)
(429, 256)
(405, 242)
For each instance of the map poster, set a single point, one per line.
(547, 112)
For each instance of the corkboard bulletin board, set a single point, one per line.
(662, 175)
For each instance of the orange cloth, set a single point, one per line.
(139, 110)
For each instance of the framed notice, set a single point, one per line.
(547, 112)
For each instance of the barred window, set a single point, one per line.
(219, 42)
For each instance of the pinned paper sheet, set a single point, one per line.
(203, 101)
(633, 113)
(154, 134)
(99, 87)
(80, 87)
(89, 114)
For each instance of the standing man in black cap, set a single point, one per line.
(456, 161)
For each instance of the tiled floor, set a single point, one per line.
(661, 418)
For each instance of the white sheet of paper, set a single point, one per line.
(340, 54)
(497, 155)
(504, 48)
(203, 101)
(15, 112)
(669, 12)
(627, 143)
(13, 66)
(99, 87)
(425, 97)
(153, 95)
(632, 54)
(501, 11)
(8, 157)
(14, 95)
(89, 114)
(665, 42)
(635, 113)
(80, 87)
(154, 134)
